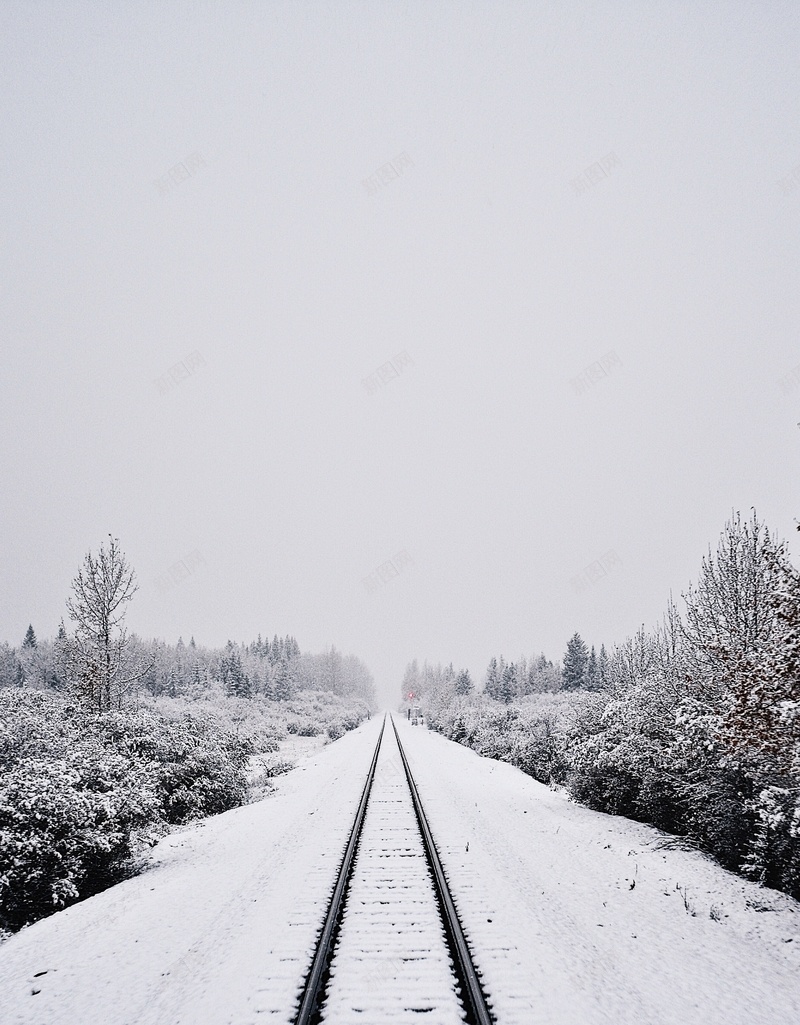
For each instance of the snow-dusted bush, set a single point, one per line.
(312, 713)
(264, 722)
(533, 734)
(66, 827)
(76, 787)
(773, 855)
(298, 728)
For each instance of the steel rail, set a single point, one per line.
(317, 977)
(472, 993)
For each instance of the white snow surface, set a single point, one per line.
(573, 916)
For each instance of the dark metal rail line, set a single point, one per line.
(317, 978)
(471, 992)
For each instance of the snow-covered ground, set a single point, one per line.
(573, 916)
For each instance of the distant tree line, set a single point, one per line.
(102, 665)
(276, 670)
(582, 669)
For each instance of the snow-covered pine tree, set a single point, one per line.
(764, 716)
(576, 659)
(602, 667)
(464, 683)
(276, 652)
(491, 679)
(235, 680)
(493, 685)
(283, 681)
(508, 684)
(592, 671)
(30, 638)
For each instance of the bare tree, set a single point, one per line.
(98, 659)
(730, 617)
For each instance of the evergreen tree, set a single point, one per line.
(464, 683)
(8, 666)
(592, 671)
(490, 680)
(494, 685)
(602, 667)
(30, 638)
(763, 717)
(576, 658)
(234, 678)
(283, 683)
(508, 683)
(276, 651)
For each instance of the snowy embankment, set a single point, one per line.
(575, 917)
(579, 917)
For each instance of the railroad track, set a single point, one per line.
(391, 948)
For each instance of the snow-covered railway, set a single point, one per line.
(391, 947)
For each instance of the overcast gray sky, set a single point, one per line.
(221, 220)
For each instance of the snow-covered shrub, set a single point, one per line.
(534, 734)
(773, 856)
(204, 782)
(540, 751)
(193, 765)
(33, 723)
(298, 728)
(66, 829)
(77, 787)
